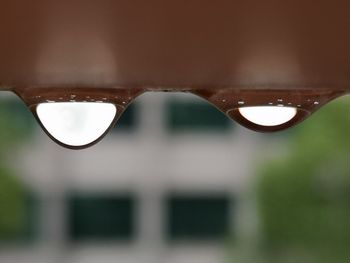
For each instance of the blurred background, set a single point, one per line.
(177, 182)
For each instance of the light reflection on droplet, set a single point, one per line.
(76, 123)
(268, 115)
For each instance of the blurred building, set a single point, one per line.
(166, 185)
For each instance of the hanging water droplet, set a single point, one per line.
(76, 124)
(268, 115)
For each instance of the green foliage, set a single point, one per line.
(12, 205)
(304, 197)
(16, 124)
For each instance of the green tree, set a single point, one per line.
(304, 197)
(16, 125)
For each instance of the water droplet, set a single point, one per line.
(299, 105)
(316, 103)
(76, 124)
(223, 100)
(279, 100)
(241, 102)
(267, 115)
(270, 103)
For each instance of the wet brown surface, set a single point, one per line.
(175, 44)
(232, 53)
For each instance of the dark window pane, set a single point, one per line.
(17, 121)
(100, 218)
(198, 116)
(31, 218)
(128, 119)
(200, 217)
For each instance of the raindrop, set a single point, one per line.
(78, 123)
(268, 115)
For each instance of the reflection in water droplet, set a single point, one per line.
(76, 123)
(268, 115)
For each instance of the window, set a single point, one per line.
(101, 217)
(198, 217)
(31, 218)
(183, 115)
(19, 121)
(128, 119)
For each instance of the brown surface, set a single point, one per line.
(224, 51)
(162, 44)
